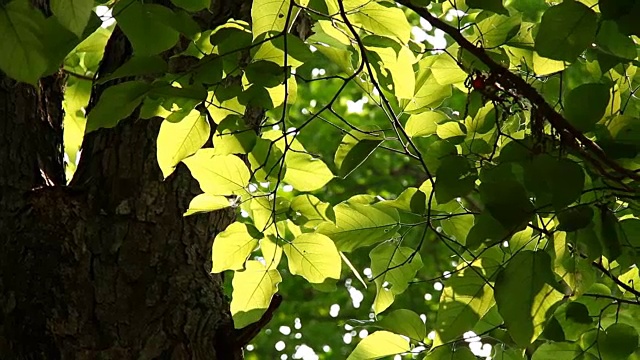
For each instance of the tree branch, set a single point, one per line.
(513, 82)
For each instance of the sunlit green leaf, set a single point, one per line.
(359, 225)
(378, 345)
(207, 203)
(312, 209)
(314, 257)
(392, 267)
(232, 247)
(466, 298)
(218, 174)
(306, 173)
(252, 292)
(181, 135)
(424, 124)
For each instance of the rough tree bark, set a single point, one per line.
(108, 268)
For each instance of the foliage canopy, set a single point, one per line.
(475, 162)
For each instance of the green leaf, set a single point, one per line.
(312, 210)
(577, 273)
(355, 148)
(609, 237)
(566, 30)
(404, 322)
(575, 218)
(491, 5)
(398, 60)
(495, 30)
(505, 198)
(612, 41)
(557, 351)
(466, 298)
(181, 135)
(446, 352)
(233, 136)
(264, 73)
(359, 225)
(73, 15)
(232, 247)
(204, 203)
(458, 226)
(141, 25)
(136, 66)
(618, 341)
(585, 105)
(314, 257)
(192, 5)
(410, 200)
(127, 95)
(266, 161)
(378, 345)
(424, 124)
(557, 182)
(271, 252)
(218, 174)
(454, 178)
(446, 70)
(525, 295)
(252, 292)
(429, 93)
(384, 19)
(21, 48)
(392, 267)
(452, 131)
(306, 173)
(270, 15)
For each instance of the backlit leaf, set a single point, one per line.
(359, 225)
(253, 289)
(181, 135)
(232, 247)
(218, 174)
(207, 203)
(378, 345)
(393, 267)
(314, 257)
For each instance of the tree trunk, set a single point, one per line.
(107, 269)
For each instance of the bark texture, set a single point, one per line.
(108, 268)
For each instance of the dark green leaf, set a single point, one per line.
(566, 30)
(618, 341)
(574, 218)
(454, 178)
(491, 5)
(585, 105)
(127, 95)
(524, 294)
(147, 34)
